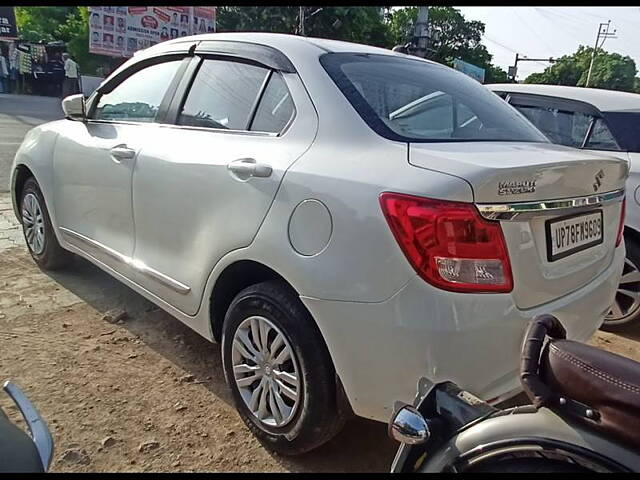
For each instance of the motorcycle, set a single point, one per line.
(584, 415)
(20, 452)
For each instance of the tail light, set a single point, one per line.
(623, 211)
(449, 244)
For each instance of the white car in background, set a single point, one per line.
(595, 120)
(271, 192)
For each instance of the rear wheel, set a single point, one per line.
(626, 308)
(279, 370)
(38, 231)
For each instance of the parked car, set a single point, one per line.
(595, 120)
(259, 188)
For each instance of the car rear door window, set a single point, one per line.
(138, 97)
(560, 126)
(275, 108)
(223, 95)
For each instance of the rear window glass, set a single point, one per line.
(560, 126)
(411, 100)
(601, 137)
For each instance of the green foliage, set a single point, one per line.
(353, 24)
(610, 71)
(458, 38)
(37, 24)
(636, 85)
(69, 24)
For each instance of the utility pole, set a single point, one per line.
(301, 17)
(604, 34)
(421, 32)
(514, 69)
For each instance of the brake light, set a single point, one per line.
(449, 244)
(623, 211)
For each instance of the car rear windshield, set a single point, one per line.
(411, 100)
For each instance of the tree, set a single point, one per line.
(354, 24)
(457, 38)
(636, 85)
(610, 71)
(69, 24)
(37, 24)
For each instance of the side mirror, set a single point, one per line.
(73, 107)
(409, 426)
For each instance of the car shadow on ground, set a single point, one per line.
(362, 445)
(632, 332)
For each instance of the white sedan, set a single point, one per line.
(288, 197)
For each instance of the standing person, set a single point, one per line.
(70, 85)
(4, 74)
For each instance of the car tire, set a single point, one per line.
(303, 417)
(38, 230)
(628, 309)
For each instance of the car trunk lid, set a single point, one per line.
(561, 188)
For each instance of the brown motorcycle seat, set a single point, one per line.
(604, 381)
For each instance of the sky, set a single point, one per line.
(541, 32)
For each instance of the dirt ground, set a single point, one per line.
(146, 394)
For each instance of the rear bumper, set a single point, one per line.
(380, 350)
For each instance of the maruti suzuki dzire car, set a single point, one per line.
(344, 219)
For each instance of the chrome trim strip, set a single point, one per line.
(138, 265)
(109, 251)
(511, 211)
(40, 433)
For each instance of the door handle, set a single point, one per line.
(122, 152)
(247, 167)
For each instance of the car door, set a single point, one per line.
(94, 162)
(203, 187)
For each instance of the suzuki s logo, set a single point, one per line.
(598, 183)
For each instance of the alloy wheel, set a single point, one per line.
(266, 371)
(627, 301)
(33, 221)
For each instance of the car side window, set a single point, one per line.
(601, 137)
(276, 107)
(560, 126)
(138, 97)
(222, 95)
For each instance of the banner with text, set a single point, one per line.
(120, 31)
(8, 23)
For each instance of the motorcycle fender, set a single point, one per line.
(541, 428)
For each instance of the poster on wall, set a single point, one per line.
(120, 31)
(8, 23)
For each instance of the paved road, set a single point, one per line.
(19, 114)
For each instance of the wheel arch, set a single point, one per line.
(21, 174)
(242, 274)
(632, 232)
(234, 278)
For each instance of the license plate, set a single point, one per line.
(568, 235)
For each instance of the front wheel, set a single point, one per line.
(38, 230)
(626, 308)
(279, 370)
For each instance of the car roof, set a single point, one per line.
(603, 100)
(282, 42)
